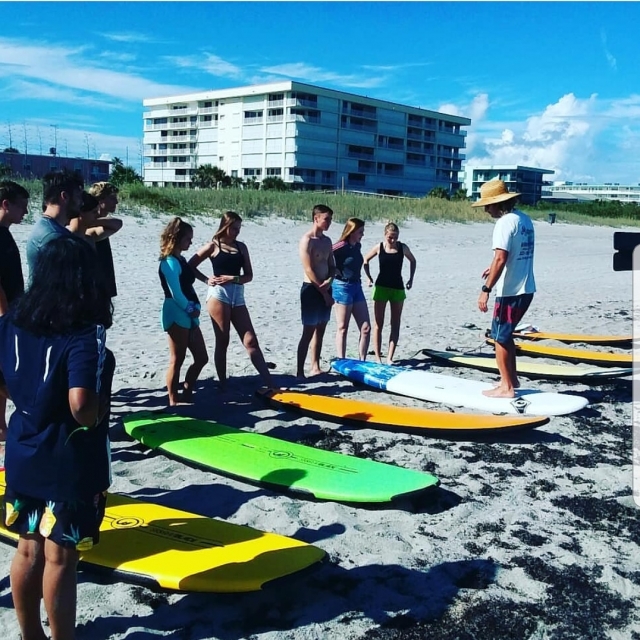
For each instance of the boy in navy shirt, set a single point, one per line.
(58, 372)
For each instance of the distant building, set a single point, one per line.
(32, 166)
(310, 137)
(524, 180)
(581, 191)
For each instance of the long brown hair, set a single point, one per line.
(171, 235)
(228, 218)
(353, 224)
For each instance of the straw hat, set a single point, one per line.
(492, 192)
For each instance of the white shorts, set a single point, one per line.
(230, 293)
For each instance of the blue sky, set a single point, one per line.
(553, 85)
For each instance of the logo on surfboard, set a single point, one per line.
(520, 404)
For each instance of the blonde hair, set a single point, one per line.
(391, 227)
(102, 190)
(171, 235)
(228, 218)
(353, 224)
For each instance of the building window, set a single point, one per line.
(234, 173)
(274, 171)
(251, 172)
(305, 99)
(305, 115)
(253, 117)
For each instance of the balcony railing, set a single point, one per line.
(301, 102)
(275, 103)
(183, 138)
(204, 110)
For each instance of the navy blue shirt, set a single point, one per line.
(349, 260)
(45, 456)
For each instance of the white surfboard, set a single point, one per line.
(458, 392)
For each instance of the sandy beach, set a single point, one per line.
(534, 535)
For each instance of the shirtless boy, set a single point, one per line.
(319, 267)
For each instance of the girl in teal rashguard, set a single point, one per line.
(180, 310)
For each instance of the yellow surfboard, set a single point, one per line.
(604, 341)
(601, 358)
(151, 544)
(385, 416)
(573, 372)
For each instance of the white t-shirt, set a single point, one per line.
(514, 233)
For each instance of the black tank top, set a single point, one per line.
(390, 268)
(225, 263)
(187, 278)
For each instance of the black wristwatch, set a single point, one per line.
(486, 289)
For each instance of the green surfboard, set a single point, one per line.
(276, 463)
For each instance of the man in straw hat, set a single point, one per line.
(510, 274)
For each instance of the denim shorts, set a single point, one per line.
(507, 313)
(230, 293)
(347, 292)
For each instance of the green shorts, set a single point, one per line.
(387, 294)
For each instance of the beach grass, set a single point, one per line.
(138, 200)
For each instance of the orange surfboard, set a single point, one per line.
(386, 416)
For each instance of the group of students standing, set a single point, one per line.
(57, 370)
(332, 279)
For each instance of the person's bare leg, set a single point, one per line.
(316, 349)
(27, 568)
(220, 314)
(378, 323)
(59, 589)
(241, 321)
(343, 316)
(178, 338)
(394, 333)
(303, 348)
(503, 360)
(198, 350)
(360, 312)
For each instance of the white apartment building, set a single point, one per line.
(311, 137)
(583, 191)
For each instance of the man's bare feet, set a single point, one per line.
(316, 371)
(499, 385)
(499, 392)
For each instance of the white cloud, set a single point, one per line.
(26, 89)
(128, 37)
(208, 62)
(310, 73)
(562, 138)
(613, 63)
(65, 67)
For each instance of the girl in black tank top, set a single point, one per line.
(227, 263)
(225, 303)
(389, 287)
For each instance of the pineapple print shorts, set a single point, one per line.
(74, 524)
